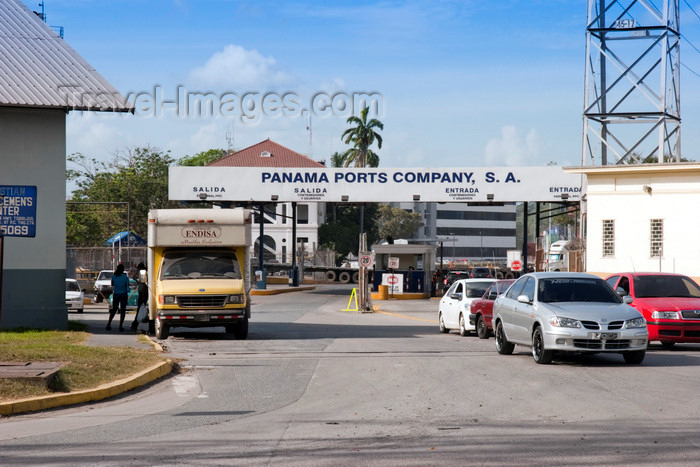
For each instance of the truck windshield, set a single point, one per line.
(198, 264)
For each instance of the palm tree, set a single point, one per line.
(362, 136)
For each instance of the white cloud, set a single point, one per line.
(91, 134)
(237, 67)
(512, 148)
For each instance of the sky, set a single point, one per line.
(455, 83)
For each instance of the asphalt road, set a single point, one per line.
(314, 385)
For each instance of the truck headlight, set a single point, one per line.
(635, 323)
(665, 315)
(166, 299)
(235, 299)
(564, 322)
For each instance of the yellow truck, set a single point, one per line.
(198, 269)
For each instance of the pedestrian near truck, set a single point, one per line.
(120, 296)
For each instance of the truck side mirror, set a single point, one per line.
(627, 299)
(621, 292)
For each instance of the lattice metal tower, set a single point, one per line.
(632, 96)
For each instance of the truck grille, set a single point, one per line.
(202, 301)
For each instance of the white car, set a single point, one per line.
(103, 285)
(561, 311)
(455, 305)
(74, 296)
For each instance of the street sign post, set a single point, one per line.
(366, 261)
(516, 265)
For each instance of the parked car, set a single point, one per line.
(561, 311)
(454, 307)
(480, 272)
(482, 309)
(669, 302)
(452, 276)
(132, 302)
(74, 296)
(103, 285)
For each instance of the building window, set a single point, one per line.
(302, 213)
(608, 237)
(657, 238)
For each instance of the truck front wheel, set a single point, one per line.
(239, 330)
(162, 329)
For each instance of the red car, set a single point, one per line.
(669, 302)
(482, 309)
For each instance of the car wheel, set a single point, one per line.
(443, 328)
(635, 357)
(462, 327)
(79, 310)
(162, 329)
(502, 345)
(539, 353)
(481, 330)
(98, 298)
(667, 345)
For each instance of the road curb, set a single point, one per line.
(279, 291)
(105, 391)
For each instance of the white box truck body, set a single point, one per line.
(197, 269)
(558, 257)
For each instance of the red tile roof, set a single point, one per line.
(279, 156)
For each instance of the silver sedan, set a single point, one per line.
(567, 312)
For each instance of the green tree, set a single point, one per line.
(138, 176)
(362, 136)
(396, 222)
(343, 234)
(202, 158)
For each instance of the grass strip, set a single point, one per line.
(86, 367)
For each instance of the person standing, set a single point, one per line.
(120, 296)
(142, 294)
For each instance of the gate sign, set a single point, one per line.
(17, 211)
(393, 263)
(355, 185)
(516, 265)
(394, 282)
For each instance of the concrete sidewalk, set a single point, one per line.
(95, 317)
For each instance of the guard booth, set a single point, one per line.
(412, 274)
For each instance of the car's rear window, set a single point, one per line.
(477, 289)
(665, 286)
(575, 290)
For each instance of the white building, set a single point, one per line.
(468, 231)
(642, 217)
(43, 79)
(277, 230)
